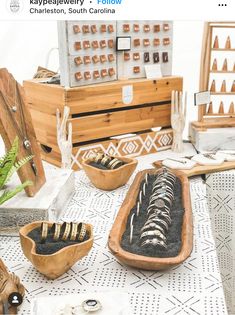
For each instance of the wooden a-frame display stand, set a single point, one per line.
(212, 51)
(9, 89)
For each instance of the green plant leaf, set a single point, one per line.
(8, 194)
(17, 166)
(8, 161)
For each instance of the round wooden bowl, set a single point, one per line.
(54, 265)
(110, 179)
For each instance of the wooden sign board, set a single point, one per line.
(15, 120)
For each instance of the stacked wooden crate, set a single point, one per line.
(99, 117)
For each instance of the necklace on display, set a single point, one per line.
(22, 130)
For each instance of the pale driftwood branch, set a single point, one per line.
(178, 116)
(64, 138)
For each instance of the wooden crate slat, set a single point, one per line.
(46, 98)
(142, 144)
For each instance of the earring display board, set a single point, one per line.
(217, 75)
(151, 43)
(15, 120)
(88, 50)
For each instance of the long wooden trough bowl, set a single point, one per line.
(119, 227)
(110, 179)
(54, 265)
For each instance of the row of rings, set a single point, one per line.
(159, 210)
(107, 161)
(66, 231)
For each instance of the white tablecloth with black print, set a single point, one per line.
(221, 202)
(193, 288)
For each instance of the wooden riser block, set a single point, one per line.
(46, 205)
(209, 139)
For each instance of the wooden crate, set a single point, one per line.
(98, 114)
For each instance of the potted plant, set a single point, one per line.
(8, 166)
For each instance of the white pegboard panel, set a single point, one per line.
(125, 67)
(68, 54)
(122, 69)
(193, 288)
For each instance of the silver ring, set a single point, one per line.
(153, 233)
(151, 226)
(154, 242)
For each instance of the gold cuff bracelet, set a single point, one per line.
(67, 228)
(44, 231)
(82, 232)
(56, 227)
(74, 231)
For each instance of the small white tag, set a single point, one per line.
(127, 94)
(202, 98)
(153, 71)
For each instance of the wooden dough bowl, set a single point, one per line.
(144, 262)
(110, 179)
(54, 265)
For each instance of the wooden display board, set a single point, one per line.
(12, 96)
(99, 115)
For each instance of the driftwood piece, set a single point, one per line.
(9, 283)
(64, 138)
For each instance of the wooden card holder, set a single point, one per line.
(16, 107)
(119, 226)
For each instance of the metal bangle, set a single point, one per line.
(98, 157)
(151, 226)
(158, 220)
(117, 164)
(114, 160)
(104, 160)
(66, 227)
(55, 229)
(44, 231)
(74, 231)
(82, 232)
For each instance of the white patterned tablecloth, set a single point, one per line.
(194, 288)
(221, 202)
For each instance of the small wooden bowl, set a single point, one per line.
(119, 226)
(110, 179)
(54, 265)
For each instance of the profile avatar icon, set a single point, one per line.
(15, 299)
